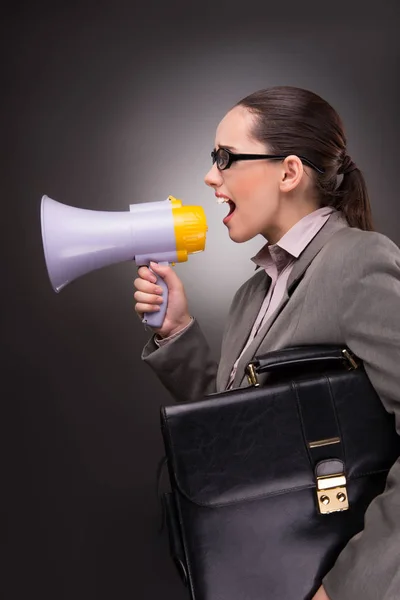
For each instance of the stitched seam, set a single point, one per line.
(295, 388)
(248, 498)
(336, 419)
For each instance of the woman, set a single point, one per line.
(323, 277)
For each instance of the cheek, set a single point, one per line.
(255, 194)
(248, 188)
(254, 190)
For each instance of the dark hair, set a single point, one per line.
(291, 120)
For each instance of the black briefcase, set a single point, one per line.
(268, 483)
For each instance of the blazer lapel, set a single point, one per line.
(237, 335)
(333, 224)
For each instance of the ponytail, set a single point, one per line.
(353, 201)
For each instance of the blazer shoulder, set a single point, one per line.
(354, 243)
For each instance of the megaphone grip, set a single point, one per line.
(156, 319)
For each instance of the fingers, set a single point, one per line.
(146, 287)
(140, 309)
(147, 306)
(145, 273)
(148, 294)
(150, 299)
(147, 302)
(166, 272)
(162, 270)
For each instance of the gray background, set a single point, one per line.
(104, 105)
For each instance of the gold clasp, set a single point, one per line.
(350, 359)
(332, 493)
(252, 375)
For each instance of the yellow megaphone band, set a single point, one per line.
(190, 226)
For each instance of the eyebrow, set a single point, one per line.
(232, 148)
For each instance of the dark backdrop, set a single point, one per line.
(103, 105)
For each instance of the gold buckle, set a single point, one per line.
(252, 375)
(350, 359)
(332, 493)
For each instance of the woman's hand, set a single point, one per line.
(321, 594)
(148, 297)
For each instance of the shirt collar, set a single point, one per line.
(294, 241)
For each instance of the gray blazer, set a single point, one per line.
(343, 289)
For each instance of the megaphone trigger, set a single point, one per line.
(156, 319)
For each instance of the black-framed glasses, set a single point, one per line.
(224, 158)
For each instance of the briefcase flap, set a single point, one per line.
(248, 443)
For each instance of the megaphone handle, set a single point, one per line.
(156, 319)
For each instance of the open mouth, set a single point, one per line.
(231, 204)
(232, 207)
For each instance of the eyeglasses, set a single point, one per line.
(224, 158)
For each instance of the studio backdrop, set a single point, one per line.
(103, 106)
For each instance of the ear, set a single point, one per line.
(292, 173)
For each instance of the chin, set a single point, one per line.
(241, 237)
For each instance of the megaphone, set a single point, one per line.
(77, 241)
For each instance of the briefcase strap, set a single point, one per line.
(300, 356)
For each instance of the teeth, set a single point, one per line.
(222, 200)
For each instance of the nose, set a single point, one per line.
(213, 178)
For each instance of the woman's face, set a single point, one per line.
(252, 187)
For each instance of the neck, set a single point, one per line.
(287, 217)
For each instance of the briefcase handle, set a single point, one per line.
(305, 356)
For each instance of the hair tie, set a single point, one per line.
(347, 166)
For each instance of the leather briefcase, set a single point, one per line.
(268, 483)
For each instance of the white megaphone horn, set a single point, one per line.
(77, 241)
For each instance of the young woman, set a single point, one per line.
(324, 277)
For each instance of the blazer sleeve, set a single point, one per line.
(184, 365)
(369, 566)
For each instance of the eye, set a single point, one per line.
(222, 158)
